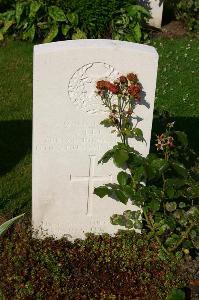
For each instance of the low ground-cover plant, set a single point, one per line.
(49, 20)
(165, 185)
(126, 266)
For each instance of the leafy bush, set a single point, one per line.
(95, 16)
(6, 4)
(128, 23)
(186, 11)
(165, 186)
(35, 20)
(126, 266)
(51, 19)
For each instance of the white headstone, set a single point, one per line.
(68, 140)
(156, 10)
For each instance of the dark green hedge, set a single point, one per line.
(95, 15)
(126, 266)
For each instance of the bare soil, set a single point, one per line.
(171, 30)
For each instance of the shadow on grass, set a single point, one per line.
(16, 137)
(187, 124)
(15, 143)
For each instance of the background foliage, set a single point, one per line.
(50, 19)
(184, 10)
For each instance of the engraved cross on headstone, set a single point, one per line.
(90, 179)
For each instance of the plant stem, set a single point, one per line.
(182, 238)
(150, 226)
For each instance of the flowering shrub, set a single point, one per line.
(168, 200)
(121, 97)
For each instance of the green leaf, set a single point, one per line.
(179, 168)
(182, 138)
(195, 242)
(133, 10)
(120, 156)
(129, 224)
(42, 25)
(176, 294)
(122, 178)
(1, 36)
(137, 33)
(137, 134)
(5, 226)
(154, 205)
(170, 206)
(162, 229)
(106, 157)
(193, 211)
(135, 160)
(139, 173)
(29, 34)
(19, 11)
(7, 25)
(182, 205)
(121, 196)
(159, 165)
(170, 191)
(73, 19)
(129, 37)
(138, 224)
(65, 29)
(175, 182)
(56, 13)
(52, 34)
(34, 7)
(172, 240)
(128, 191)
(78, 35)
(8, 15)
(118, 220)
(107, 123)
(101, 191)
(193, 234)
(128, 214)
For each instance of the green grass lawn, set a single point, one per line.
(176, 92)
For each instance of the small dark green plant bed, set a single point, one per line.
(127, 266)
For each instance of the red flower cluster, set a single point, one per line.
(113, 88)
(132, 77)
(134, 90)
(125, 85)
(123, 79)
(106, 85)
(101, 85)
